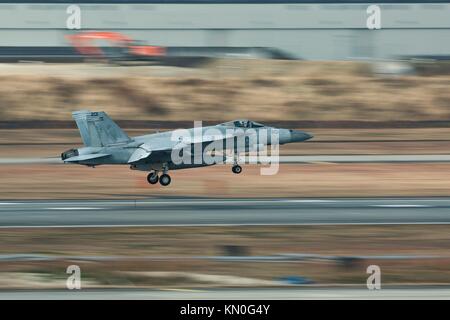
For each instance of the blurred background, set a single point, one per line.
(159, 65)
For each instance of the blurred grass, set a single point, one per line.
(259, 240)
(260, 90)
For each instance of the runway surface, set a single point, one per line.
(223, 212)
(411, 158)
(233, 294)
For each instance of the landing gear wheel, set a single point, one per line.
(164, 180)
(152, 178)
(236, 169)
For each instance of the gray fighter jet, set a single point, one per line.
(105, 143)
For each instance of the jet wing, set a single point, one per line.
(87, 157)
(144, 151)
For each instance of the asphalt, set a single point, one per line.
(226, 212)
(233, 294)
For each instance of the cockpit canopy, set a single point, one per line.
(242, 124)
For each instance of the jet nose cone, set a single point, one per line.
(297, 136)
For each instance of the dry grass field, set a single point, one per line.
(133, 245)
(260, 90)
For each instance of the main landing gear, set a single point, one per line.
(165, 179)
(153, 178)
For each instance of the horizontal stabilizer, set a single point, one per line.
(145, 150)
(87, 157)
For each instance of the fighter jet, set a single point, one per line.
(106, 143)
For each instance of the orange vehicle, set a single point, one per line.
(118, 46)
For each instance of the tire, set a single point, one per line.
(236, 169)
(152, 178)
(164, 180)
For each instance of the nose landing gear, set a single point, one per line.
(236, 169)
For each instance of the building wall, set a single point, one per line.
(309, 31)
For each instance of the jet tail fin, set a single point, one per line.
(97, 129)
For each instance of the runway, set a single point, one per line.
(410, 158)
(223, 212)
(233, 294)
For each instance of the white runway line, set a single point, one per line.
(30, 161)
(221, 225)
(357, 158)
(75, 208)
(401, 206)
(290, 159)
(308, 201)
(236, 293)
(183, 202)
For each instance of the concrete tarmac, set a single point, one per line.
(223, 212)
(433, 293)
